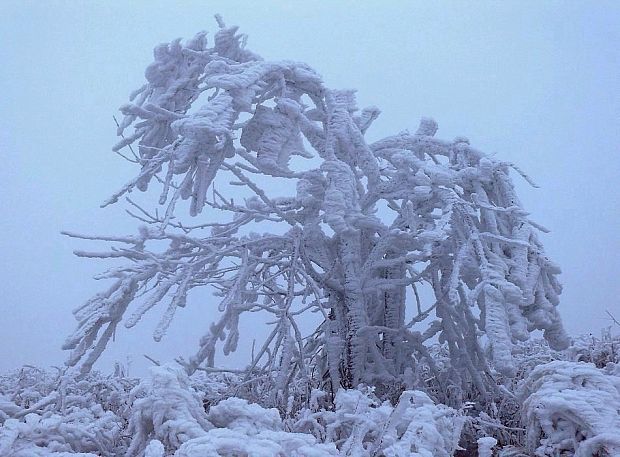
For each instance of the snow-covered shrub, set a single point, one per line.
(155, 448)
(218, 386)
(236, 413)
(361, 425)
(566, 408)
(571, 408)
(599, 351)
(36, 390)
(245, 429)
(215, 387)
(500, 415)
(167, 409)
(81, 432)
(485, 446)
(228, 443)
(43, 412)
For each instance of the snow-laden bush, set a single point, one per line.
(566, 408)
(33, 390)
(167, 409)
(485, 446)
(599, 351)
(42, 413)
(81, 432)
(362, 425)
(571, 409)
(168, 417)
(245, 429)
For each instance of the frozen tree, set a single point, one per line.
(360, 233)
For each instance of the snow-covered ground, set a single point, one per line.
(567, 403)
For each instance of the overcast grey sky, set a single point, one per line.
(535, 82)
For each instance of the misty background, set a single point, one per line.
(536, 83)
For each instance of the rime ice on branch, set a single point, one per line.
(367, 227)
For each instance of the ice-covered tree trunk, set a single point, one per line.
(393, 315)
(354, 304)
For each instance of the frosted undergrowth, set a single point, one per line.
(361, 425)
(169, 417)
(568, 408)
(164, 416)
(166, 409)
(572, 409)
(55, 414)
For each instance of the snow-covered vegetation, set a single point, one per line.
(427, 276)
(556, 405)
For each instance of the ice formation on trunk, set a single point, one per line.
(368, 226)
